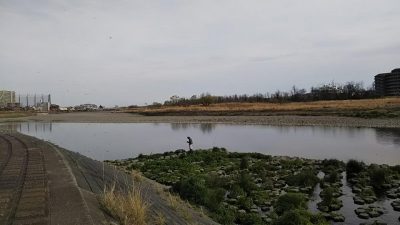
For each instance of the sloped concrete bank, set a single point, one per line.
(43, 184)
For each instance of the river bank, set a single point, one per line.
(58, 186)
(281, 120)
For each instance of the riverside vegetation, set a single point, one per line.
(360, 108)
(253, 188)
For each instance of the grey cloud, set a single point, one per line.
(160, 48)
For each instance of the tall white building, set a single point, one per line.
(7, 98)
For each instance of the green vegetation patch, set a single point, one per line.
(236, 188)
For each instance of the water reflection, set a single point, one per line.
(206, 128)
(29, 127)
(388, 136)
(328, 131)
(115, 141)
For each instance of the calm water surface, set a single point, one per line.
(124, 140)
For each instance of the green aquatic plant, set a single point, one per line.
(354, 167)
(306, 178)
(300, 217)
(290, 201)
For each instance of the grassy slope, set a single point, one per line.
(383, 107)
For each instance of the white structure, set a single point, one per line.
(86, 107)
(7, 99)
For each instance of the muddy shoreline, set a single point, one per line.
(285, 120)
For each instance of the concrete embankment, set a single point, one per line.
(43, 184)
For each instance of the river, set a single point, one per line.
(123, 140)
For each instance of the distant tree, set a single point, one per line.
(329, 91)
(156, 105)
(206, 99)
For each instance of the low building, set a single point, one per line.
(86, 107)
(388, 84)
(7, 99)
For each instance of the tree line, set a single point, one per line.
(330, 91)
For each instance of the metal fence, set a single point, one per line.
(32, 100)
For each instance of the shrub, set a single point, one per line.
(290, 201)
(300, 217)
(396, 168)
(332, 177)
(327, 196)
(246, 182)
(244, 163)
(291, 164)
(192, 189)
(378, 177)
(354, 167)
(225, 216)
(245, 203)
(332, 163)
(214, 198)
(303, 179)
(214, 181)
(250, 219)
(236, 191)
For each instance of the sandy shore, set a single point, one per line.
(109, 117)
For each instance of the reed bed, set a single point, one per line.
(291, 106)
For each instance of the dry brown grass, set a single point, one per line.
(159, 219)
(128, 208)
(292, 106)
(12, 114)
(173, 201)
(137, 176)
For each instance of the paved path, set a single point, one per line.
(36, 186)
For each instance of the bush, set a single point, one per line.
(225, 216)
(396, 168)
(249, 219)
(244, 163)
(378, 176)
(299, 217)
(215, 181)
(245, 203)
(332, 177)
(192, 189)
(246, 182)
(303, 179)
(332, 163)
(354, 167)
(290, 201)
(214, 198)
(327, 196)
(236, 191)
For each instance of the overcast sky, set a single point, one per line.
(122, 52)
